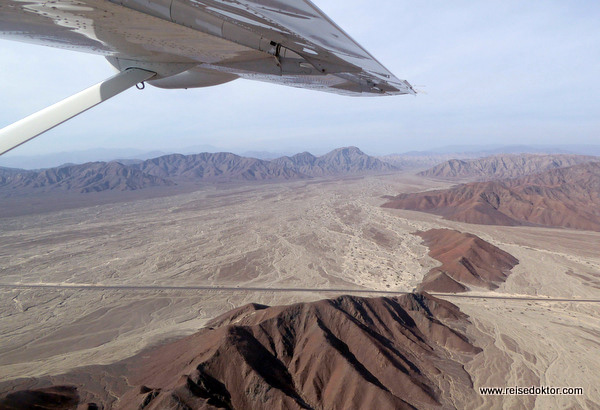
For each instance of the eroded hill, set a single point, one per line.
(348, 160)
(85, 178)
(173, 169)
(504, 166)
(563, 197)
(466, 260)
(343, 353)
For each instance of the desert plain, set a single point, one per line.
(98, 283)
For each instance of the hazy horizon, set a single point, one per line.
(54, 159)
(509, 73)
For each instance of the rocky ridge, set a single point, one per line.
(563, 197)
(349, 160)
(504, 166)
(172, 169)
(85, 178)
(466, 260)
(343, 353)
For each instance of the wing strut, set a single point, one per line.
(48, 118)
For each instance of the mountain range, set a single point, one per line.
(504, 166)
(176, 168)
(90, 177)
(562, 197)
(410, 159)
(349, 160)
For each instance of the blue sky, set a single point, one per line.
(494, 72)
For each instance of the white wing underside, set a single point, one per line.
(193, 43)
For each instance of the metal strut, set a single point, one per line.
(30, 127)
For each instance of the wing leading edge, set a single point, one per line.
(208, 42)
(307, 44)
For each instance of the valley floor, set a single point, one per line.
(317, 234)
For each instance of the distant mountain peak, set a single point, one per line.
(345, 160)
(504, 166)
(350, 149)
(166, 169)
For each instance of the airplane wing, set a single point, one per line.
(197, 43)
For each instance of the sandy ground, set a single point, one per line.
(296, 234)
(535, 343)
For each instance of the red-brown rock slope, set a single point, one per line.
(466, 260)
(564, 197)
(55, 397)
(344, 353)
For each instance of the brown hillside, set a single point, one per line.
(347, 160)
(564, 197)
(55, 397)
(466, 260)
(217, 166)
(504, 166)
(90, 177)
(344, 353)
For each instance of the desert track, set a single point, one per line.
(82, 286)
